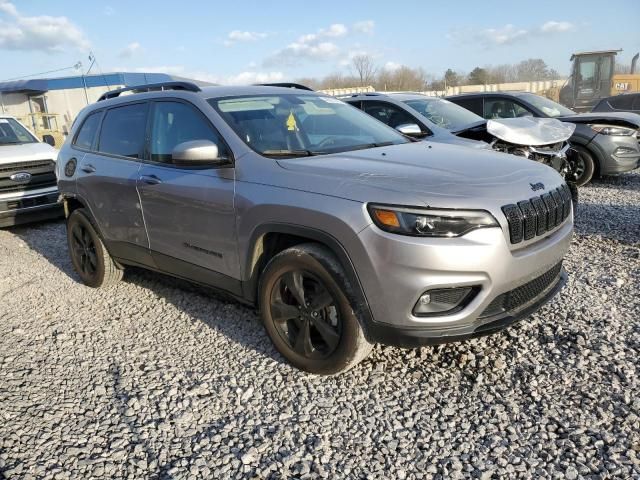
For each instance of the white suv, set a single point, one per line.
(28, 190)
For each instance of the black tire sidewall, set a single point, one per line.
(96, 280)
(298, 259)
(589, 166)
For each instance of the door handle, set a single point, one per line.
(88, 168)
(150, 179)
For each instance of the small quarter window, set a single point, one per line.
(87, 133)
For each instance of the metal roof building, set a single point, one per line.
(53, 103)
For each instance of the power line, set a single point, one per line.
(41, 73)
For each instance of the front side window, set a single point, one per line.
(123, 131)
(87, 133)
(548, 107)
(389, 114)
(503, 108)
(302, 124)
(174, 123)
(444, 113)
(13, 133)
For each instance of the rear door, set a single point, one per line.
(188, 211)
(107, 177)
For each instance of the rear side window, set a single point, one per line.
(472, 104)
(87, 133)
(123, 131)
(174, 123)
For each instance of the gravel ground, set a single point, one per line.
(159, 379)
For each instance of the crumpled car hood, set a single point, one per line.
(530, 130)
(622, 119)
(426, 172)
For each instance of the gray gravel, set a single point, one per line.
(159, 379)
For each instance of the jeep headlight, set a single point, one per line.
(429, 222)
(613, 130)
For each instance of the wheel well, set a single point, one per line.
(73, 204)
(268, 246)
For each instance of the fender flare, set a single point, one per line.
(356, 297)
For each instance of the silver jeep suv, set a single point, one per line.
(342, 231)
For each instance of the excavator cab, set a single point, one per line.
(590, 79)
(593, 77)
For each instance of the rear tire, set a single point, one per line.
(306, 312)
(89, 256)
(586, 166)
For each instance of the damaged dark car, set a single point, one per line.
(607, 143)
(438, 120)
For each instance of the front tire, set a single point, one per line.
(89, 256)
(585, 167)
(306, 312)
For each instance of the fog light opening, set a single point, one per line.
(444, 301)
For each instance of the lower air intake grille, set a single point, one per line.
(522, 295)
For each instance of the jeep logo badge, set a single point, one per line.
(21, 177)
(537, 186)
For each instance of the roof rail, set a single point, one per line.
(285, 85)
(150, 87)
(361, 94)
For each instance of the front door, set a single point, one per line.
(188, 211)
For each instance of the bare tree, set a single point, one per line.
(365, 69)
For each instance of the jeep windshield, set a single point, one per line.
(445, 114)
(12, 133)
(297, 125)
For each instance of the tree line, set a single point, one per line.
(364, 72)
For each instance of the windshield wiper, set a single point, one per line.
(288, 153)
(10, 143)
(364, 146)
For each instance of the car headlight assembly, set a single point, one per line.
(429, 222)
(613, 130)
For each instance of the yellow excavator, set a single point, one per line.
(593, 77)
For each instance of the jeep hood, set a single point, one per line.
(621, 119)
(27, 151)
(422, 173)
(530, 131)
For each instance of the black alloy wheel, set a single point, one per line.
(305, 314)
(84, 250)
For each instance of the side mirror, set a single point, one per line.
(410, 129)
(49, 139)
(197, 152)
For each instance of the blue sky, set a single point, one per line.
(247, 41)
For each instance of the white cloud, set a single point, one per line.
(8, 8)
(392, 66)
(556, 27)
(109, 11)
(236, 36)
(506, 35)
(44, 33)
(242, 78)
(318, 46)
(364, 26)
(130, 50)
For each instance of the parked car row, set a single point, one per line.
(343, 231)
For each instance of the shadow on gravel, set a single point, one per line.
(236, 321)
(47, 238)
(216, 310)
(625, 181)
(616, 222)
